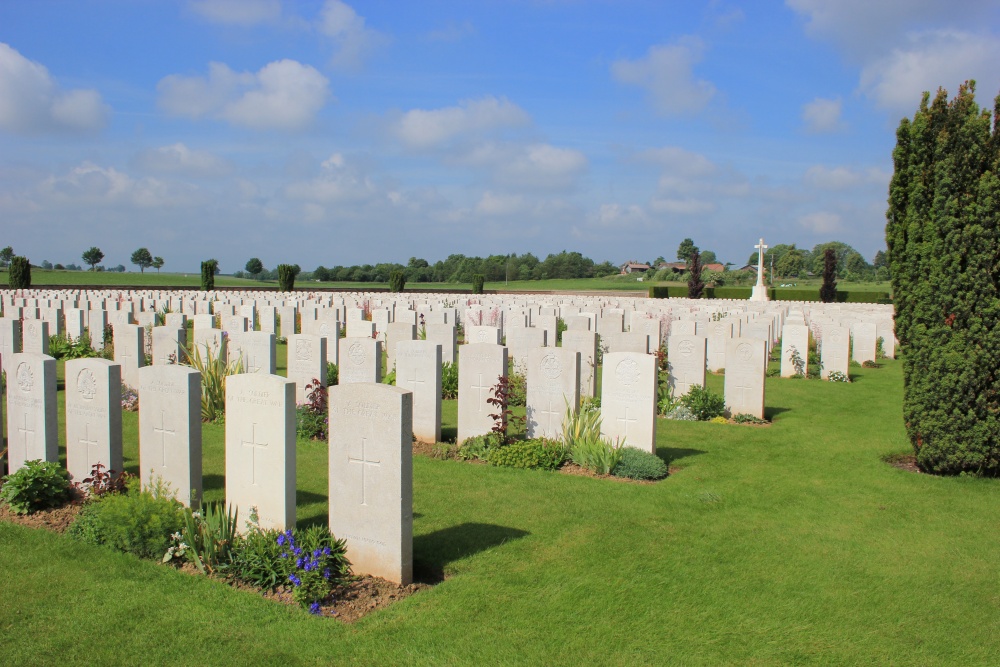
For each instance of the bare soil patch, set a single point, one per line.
(57, 520)
(907, 462)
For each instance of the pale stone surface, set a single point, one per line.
(260, 448)
(97, 320)
(32, 421)
(482, 334)
(480, 365)
(746, 364)
(167, 343)
(257, 349)
(306, 362)
(235, 324)
(74, 323)
(626, 342)
(35, 336)
(360, 329)
(418, 369)
(835, 350)
(794, 339)
(683, 328)
(286, 321)
(211, 342)
(685, 362)
(360, 360)
(170, 429)
(584, 342)
(371, 478)
(885, 329)
(553, 384)
(446, 336)
(395, 333)
(718, 334)
(175, 321)
(130, 344)
(10, 342)
(520, 340)
(93, 416)
(628, 399)
(863, 341)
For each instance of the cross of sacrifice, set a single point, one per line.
(480, 387)
(760, 257)
(254, 446)
(164, 432)
(626, 421)
(89, 443)
(364, 462)
(25, 432)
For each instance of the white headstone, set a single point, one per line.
(170, 429)
(418, 369)
(32, 421)
(685, 362)
(93, 416)
(628, 399)
(306, 363)
(794, 343)
(835, 351)
(746, 365)
(360, 360)
(553, 384)
(480, 365)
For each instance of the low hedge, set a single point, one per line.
(681, 292)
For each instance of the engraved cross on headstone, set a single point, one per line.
(553, 415)
(479, 387)
(626, 421)
(164, 432)
(25, 432)
(364, 462)
(254, 446)
(89, 443)
(743, 386)
(413, 381)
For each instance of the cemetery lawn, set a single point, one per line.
(792, 543)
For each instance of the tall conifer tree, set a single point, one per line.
(828, 290)
(695, 284)
(943, 235)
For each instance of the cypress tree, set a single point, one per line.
(208, 275)
(286, 277)
(695, 284)
(943, 235)
(397, 280)
(828, 291)
(19, 273)
(477, 283)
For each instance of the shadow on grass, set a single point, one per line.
(771, 412)
(449, 433)
(433, 551)
(672, 454)
(212, 482)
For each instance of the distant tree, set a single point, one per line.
(157, 263)
(881, 259)
(791, 264)
(120, 268)
(397, 281)
(695, 284)
(94, 256)
(143, 259)
(708, 257)
(321, 274)
(6, 255)
(208, 270)
(46, 264)
(685, 249)
(19, 274)
(828, 291)
(286, 277)
(59, 267)
(477, 283)
(254, 266)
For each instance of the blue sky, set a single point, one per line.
(326, 132)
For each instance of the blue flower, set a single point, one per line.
(281, 540)
(314, 608)
(326, 551)
(317, 553)
(295, 580)
(326, 573)
(297, 551)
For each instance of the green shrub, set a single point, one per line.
(637, 464)
(397, 281)
(598, 455)
(61, 346)
(286, 277)
(518, 384)
(214, 370)
(719, 420)
(449, 380)
(37, 485)
(703, 403)
(19, 273)
(837, 376)
(139, 522)
(477, 447)
(332, 373)
(208, 538)
(744, 418)
(477, 283)
(317, 562)
(535, 453)
(208, 275)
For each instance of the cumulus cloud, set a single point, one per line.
(928, 60)
(542, 165)
(666, 72)
(179, 159)
(237, 12)
(354, 41)
(339, 182)
(498, 205)
(621, 217)
(31, 101)
(431, 128)
(90, 185)
(822, 115)
(821, 222)
(284, 94)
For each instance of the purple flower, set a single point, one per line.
(295, 580)
(298, 562)
(314, 608)
(326, 573)
(297, 551)
(281, 540)
(326, 551)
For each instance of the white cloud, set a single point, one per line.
(284, 94)
(340, 182)
(179, 159)
(837, 178)
(89, 185)
(542, 165)
(498, 205)
(666, 72)
(430, 128)
(928, 60)
(354, 41)
(32, 103)
(238, 12)
(621, 217)
(823, 115)
(821, 222)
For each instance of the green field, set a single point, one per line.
(788, 544)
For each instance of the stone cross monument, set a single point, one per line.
(759, 291)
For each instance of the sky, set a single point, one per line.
(330, 133)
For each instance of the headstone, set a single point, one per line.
(306, 362)
(32, 422)
(74, 323)
(170, 430)
(446, 336)
(627, 342)
(167, 344)
(685, 362)
(553, 385)
(585, 342)
(360, 329)
(130, 351)
(863, 340)
(93, 416)
(97, 322)
(371, 478)
(482, 334)
(794, 343)
(835, 351)
(395, 333)
(718, 333)
(257, 349)
(885, 330)
(360, 360)
(746, 364)
(10, 342)
(520, 340)
(628, 399)
(287, 320)
(480, 365)
(210, 343)
(260, 448)
(418, 369)
(35, 336)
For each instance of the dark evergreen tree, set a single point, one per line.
(19, 273)
(208, 275)
(397, 281)
(695, 284)
(828, 291)
(477, 283)
(286, 277)
(943, 236)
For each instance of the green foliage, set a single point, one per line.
(397, 281)
(208, 537)
(140, 522)
(478, 447)
(868, 363)
(208, 269)
(581, 431)
(61, 346)
(142, 258)
(449, 380)
(695, 284)
(317, 562)
(390, 377)
(312, 418)
(718, 420)
(703, 403)
(93, 256)
(744, 418)
(19, 273)
(685, 250)
(332, 373)
(214, 370)
(37, 485)
(534, 453)
(637, 464)
(828, 291)
(943, 237)
(837, 376)
(254, 266)
(6, 255)
(518, 385)
(477, 283)
(286, 277)
(157, 263)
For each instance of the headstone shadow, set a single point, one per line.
(771, 412)
(433, 551)
(676, 453)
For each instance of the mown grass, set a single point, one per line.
(787, 544)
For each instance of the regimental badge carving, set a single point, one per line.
(303, 350)
(834, 335)
(324, 329)
(356, 352)
(30, 329)
(25, 378)
(482, 335)
(86, 384)
(627, 372)
(551, 366)
(685, 347)
(744, 352)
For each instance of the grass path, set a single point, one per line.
(788, 544)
